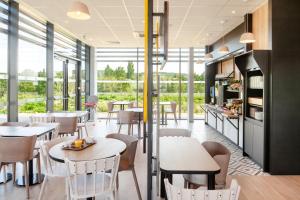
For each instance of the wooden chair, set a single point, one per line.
(176, 193)
(127, 118)
(67, 125)
(172, 110)
(18, 149)
(128, 157)
(174, 132)
(53, 169)
(110, 110)
(222, 156)
(86, 179)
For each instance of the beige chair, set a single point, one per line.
(53, 170)
(41, 119)
(82, 125)
(128, 157)
(14, 124)
(90, 179)
(67, 125)
(110, 110)
(171, 110)
(176, 193)
(127, 118)
(18, 149)
(174, 132)
(222, 156)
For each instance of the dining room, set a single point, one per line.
(153, 100)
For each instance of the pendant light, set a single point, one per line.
(247, 37)
(223, 49)
(79, 11)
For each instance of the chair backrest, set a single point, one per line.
(125, 117)
(17, 149)
(176, 193)
(45, 148)
(45, 119)
(67, 124)
(127, 157)
(177, 132)
(173, 106)
(222, 156)
(92, 178)
(110, 106)
(14, 124)
(92, 99)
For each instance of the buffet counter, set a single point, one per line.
(225, 122)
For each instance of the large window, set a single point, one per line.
(3, 61)
(120, 75)
(32, 66)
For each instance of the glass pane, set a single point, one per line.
(32, 79)
(71, 86)
(58, 85)
(199, 90)
(3, 77)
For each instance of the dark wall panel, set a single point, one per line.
(285, 93)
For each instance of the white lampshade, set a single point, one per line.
(208, 56)
(247, 38)
(79, 11)
(224, 49)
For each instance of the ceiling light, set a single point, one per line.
(138, 34)
(233, 12)
(79, 11)
(224, 49)
(247, 38)
(208, 56)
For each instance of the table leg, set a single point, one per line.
(144, 137)
(33, 177)
(162, 114)
(211, 181)
(139, 126)
(164, 175)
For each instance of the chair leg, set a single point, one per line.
(185, 184)
(120, 126)
(43, 188)
(117, 181)
(166, 118)
(26, 179)
(14, 172)
(86, 132)
(136, 184)
(175, 118)
(67, 190)
(38, 160)
(129, 129)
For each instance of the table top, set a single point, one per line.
(13, 131)
(63, 114)
(164, 103)
(185, 155)
(121, 102)
(104, 148)
(137, 110)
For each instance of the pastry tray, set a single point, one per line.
(73, 148)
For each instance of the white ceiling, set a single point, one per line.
(192, 22)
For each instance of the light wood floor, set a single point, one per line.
(253, 187)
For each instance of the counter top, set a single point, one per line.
(221, 110)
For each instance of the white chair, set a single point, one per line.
(53, 169)
(176, 193)
(91, 105)
(82, 125)
(171, 110)
(87, 179)
(174, 132)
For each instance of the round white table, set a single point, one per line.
(104, 148)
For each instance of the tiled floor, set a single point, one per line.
(239, 165)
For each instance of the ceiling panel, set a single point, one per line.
(192, 22)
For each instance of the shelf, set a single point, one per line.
(255, 105)
(233, 91)
(255, 88)
(255, 121)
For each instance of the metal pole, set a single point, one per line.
(78, 76)
(191, 86)
(50, 65)
(12, 59)
(149, 97)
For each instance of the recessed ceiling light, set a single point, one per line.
(223, 21)
(113, 42)
(233, 12)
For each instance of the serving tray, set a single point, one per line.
(73, 148)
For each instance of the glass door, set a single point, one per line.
(65, 80)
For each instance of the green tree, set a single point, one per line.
(130, 71)
(41, 86)
(108, 72)
(120, 73)
(26, 86)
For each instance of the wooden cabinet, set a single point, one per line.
(254, 141)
